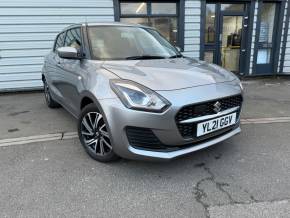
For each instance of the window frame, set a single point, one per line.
(82, 48)
(81, 40)
(179, 15)
(55, 41)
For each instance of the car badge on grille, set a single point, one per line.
(217, 107)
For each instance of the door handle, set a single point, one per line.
(243, 50)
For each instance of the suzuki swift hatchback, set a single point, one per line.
(136, 96)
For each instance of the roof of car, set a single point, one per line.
(105, 24)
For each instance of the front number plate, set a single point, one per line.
(216, 124)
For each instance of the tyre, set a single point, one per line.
(49, 101)
(94, 134)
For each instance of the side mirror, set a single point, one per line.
(68, 53)
(178, 48)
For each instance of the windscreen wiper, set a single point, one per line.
(176, 56)
(143, 57)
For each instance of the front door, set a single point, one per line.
(71, 72)
(226, 35)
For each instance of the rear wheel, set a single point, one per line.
(94, 135)
(49, 101)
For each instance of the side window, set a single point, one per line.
(59, 41)
(73, 38)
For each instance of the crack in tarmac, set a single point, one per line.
(62, 134)
(201, 193)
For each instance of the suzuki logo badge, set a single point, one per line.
(217, 107)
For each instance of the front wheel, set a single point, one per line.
(94, 135)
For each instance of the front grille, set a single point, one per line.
(198, 110)
(144, 138)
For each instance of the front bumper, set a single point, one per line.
(163, 125)
(181, 152)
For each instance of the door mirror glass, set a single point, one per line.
(68, 53)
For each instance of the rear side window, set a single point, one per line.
(73, 38)
(59, 41)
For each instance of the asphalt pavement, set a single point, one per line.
(245, 176)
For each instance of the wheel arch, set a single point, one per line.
(89, 98)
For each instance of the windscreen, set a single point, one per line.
(126, 42)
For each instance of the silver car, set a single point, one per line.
(136, 96)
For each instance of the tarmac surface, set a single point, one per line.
(245, 176)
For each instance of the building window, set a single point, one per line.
(209, 56)
(210, 23)
(131, 8)
(161, 15)
(233, 7)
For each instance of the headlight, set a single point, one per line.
(138, 97)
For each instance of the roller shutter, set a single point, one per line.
(27, 31)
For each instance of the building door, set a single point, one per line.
(225, 35)
(231, 42)
(266, 37)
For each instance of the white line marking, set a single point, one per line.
(265, 120)
(72, 135)
(30, 139)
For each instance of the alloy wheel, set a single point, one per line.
(46, 93)
(95, 134)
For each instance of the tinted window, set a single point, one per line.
(59, 41)
(73, 38)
